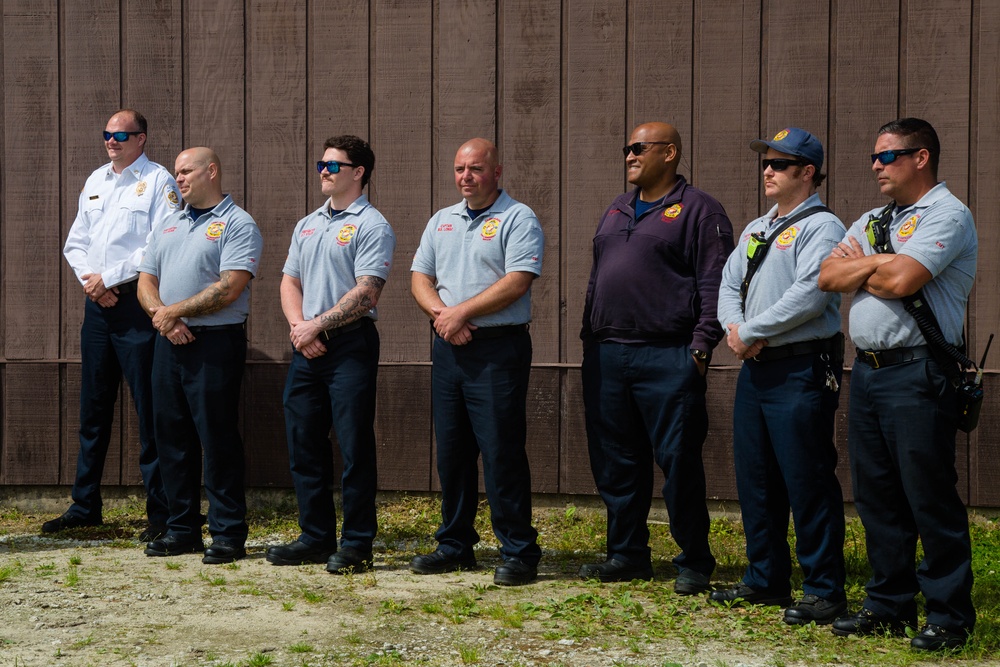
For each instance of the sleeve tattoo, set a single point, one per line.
(353, 305)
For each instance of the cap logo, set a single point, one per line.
(780, 135)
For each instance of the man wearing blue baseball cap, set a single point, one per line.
(787, 334)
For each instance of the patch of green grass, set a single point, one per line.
(75, 559)
(259, 660)
(10, 570)
(312, 597)
(468, 654)
(172, 565)
(391, 606)
(301, 647)
(72, 576)
(45, 570)
(287, 606)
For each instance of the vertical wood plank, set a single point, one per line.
(32, 230)
(575, 476)
(30, 433)
(464, 87)
(264, 442)
(717, 454)
(402, 426)
(529, 106)
(984, 200)
(401, 76)
(726, 105)
(660, 67)
(336, 88)
(214, 101)
(152, 71)
(593, 133)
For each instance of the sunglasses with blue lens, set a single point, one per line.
(332, 166)
(888, 157)
(119, 136)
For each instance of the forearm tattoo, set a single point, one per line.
(353, 305)
(213, 298)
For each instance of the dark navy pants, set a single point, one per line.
(783, 421)
(479, 394)
(646, 403)
(335, 389)
(196, 394)
(115, 341)
(901, 435)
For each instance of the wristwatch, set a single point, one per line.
(700, 355)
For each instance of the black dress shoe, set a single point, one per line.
(813, 608)
(152, 532)
(743, 593)
(297, 553)
(439, 562)
(691, 582)
(171, 545)
(349, 560)
(515, 572)
(866, 622)
(935, 638)
(223, 552)
(67, 521)
(616, 570)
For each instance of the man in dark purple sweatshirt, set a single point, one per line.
(649, 328)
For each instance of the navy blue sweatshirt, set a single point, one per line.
(656, 279)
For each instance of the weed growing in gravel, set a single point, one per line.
(301, 647)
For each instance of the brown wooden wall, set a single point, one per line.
(557, 83)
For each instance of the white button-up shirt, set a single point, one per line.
(115, 216)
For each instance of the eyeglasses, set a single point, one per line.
(119, 136)
(639, 147)
(888, 157)
(332, 166)
(780, 164)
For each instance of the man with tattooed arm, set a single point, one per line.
(338, 262)
(194, 281)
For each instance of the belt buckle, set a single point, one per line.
(872, 358)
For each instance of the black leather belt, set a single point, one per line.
(347, 328)
(833, 345)
(497, 332)
(893, 356)
(128, 288)
(218, 327)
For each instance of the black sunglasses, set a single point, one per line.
(780, 164)
(888, 157)
(332, 166)
(639, 147)
(119, 136)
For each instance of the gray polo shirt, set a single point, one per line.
(466, 256)
(784, 303)
(187, 255)
(329, 253)
(938, 232)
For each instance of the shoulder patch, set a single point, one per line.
(170, 194)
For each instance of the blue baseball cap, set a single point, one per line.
(793, 141)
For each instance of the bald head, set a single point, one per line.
(654, 169)
(199, 177)
(477, 172)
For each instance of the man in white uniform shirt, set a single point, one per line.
(119, 204)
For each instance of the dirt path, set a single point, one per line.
(68, 602)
